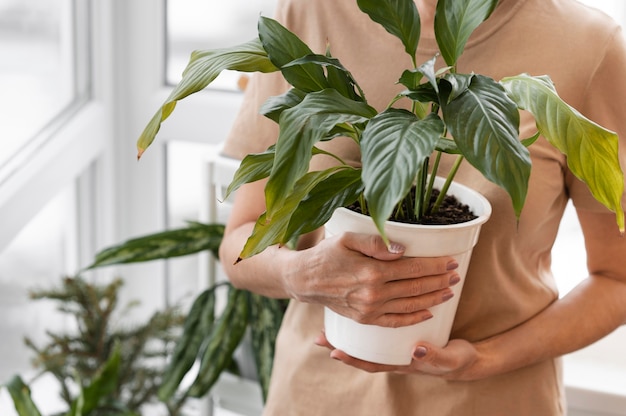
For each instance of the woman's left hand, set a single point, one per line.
(456, 361)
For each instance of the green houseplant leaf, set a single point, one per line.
(591, 150)
(20, 393)
(202, 69)
(398, 17)
(198, 324)
(301, 128)
(454, 23)
(393, 145)
(484, 123)
(283, 47)
(172, 243)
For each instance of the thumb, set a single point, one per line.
(372, 246)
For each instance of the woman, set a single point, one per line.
(511, 326)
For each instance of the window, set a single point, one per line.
(198, 24)
(41, 73)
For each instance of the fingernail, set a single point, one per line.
(447, 295)
(426, 317)
(395, 248)
(420, 352)
(454, 279)
(452, 265)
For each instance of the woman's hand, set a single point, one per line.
(357, 276)
(456, 361)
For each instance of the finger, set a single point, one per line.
(406, 288)
(408, 306)
(454, 357)
(372, 246)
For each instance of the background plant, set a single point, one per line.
(210, 336)
(102, 368)
(470, 115)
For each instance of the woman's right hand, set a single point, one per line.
(357, 276)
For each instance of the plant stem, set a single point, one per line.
(420, 190)
(446, 185)
(431, 184)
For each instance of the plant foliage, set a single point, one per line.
(470, 115)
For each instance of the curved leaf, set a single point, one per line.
(266, 316)
(202, 69)
(398, 17)
(253, 167)
(394, 146)
(273, 107)
(485, 125)
(454, 23)
(338, 190)
(172, 243)
(591, 150)
(267, 233)
(22, 400)
(283, 47)
(301, 127)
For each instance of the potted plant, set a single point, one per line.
(469, 115)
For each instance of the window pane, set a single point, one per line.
(36, 70)
(202, 24)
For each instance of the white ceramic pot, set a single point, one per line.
(394, 345)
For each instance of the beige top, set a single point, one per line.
(509, 280)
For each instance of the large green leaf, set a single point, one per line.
(591, 150)
(267, 233)
(198, 324)
(273, 107)
(340, 189)
(283, 47)
(485, 125)
(253, 167)
(398, 17)
(394, 146)
(172, 243)
(20, 393)
(266, 316)
(202, 69)
(455, 20)
(301, 127)
(339, 77)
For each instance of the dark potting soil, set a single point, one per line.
(451, 211)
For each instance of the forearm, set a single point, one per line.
(264, 273)
(589, 312)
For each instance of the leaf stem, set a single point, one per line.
(446, 185)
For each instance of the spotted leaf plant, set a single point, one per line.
(470, 115)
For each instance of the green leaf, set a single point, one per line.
(591, 150)
(485, 125)
(202, 69)
(253, 167)
(221, 342)
(103, 384)
(301, 127)
(283, 47)
(398, 17)
(273, 107)
(340, 189)
(166, 244)
(394, 146)
(198, 324)
(267, 233)
(454, 23)
(266, 316)
(339, 77)
(20, 393)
